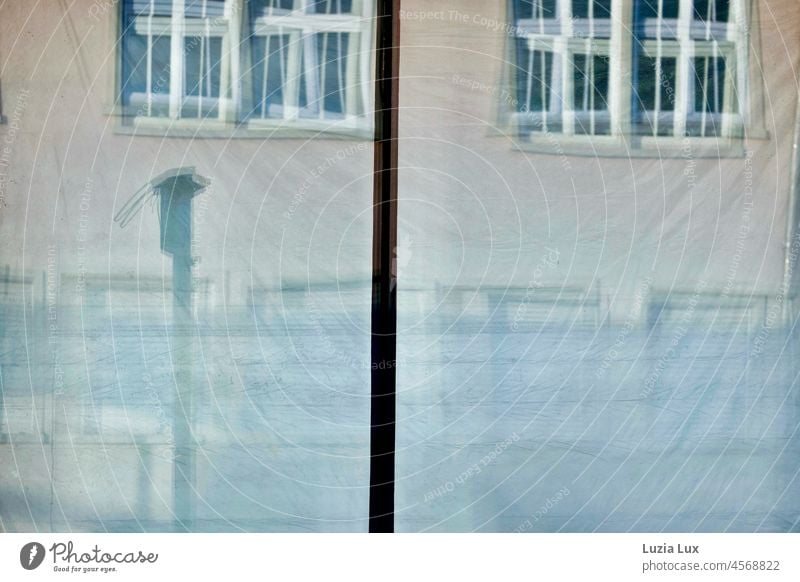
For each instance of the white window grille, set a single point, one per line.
(686, 76)
(564, 65)
(654, 67)
(176, 59)
(257, 62)
(310, 60)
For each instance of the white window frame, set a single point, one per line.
(300, 23)
(178, 28)
(566, 36)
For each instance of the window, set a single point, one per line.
(257, 63)
(173, 58)
(677, 68)
(308, 65)
(685, 82)
(564, 54)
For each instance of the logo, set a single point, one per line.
(31, 555)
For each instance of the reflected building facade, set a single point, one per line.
(596, 262)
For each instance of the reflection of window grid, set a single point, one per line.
(309, 60)
(185, 74)
(302, 59)
(682, 76)
(692, 48)
(590, 92)
(564, 58)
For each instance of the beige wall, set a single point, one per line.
(476, 210)
(613, 218)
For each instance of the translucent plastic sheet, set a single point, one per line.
(185, 297)
(596, 314)
(596, 260)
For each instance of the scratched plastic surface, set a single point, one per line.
(185, 318)
(597, 332)
(596, 325)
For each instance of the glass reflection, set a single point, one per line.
(597, 315)
(185, 307)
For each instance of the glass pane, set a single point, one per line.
(264, 7)
(657, 18)
(711, 10)
(331, 6)
(655, 95)
(658, 8)
(590, 93)
(203, 59)
(150, 7)
(204, 8)
(536, 8)
(591, 8)
(709, 91)
(709, 84)
(184, 321)
(594, 332)
(268, 74)
(332, 56)
(534, 82)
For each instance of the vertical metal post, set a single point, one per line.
(384, 276)
(183, 406)
(175, 189)
(176, 193)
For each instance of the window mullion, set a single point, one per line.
(739, 30)
(621, 74)
(365, 56)
(311, 71)
(659, 70)
(351, 88)
(291, 92)
(729, 94)
(683, 68)
(557, 101)
(149, 57)
(562, 57)
(229, 81)
(589, 77)
(177, 28)
(736, 64)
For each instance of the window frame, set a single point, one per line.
(235, 82)
(729, 40)
(565, 37)
(301, 24)
(178, 28)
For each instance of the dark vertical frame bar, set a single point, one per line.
(384, 281)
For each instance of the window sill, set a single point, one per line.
(215, 129)
(604, 146)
